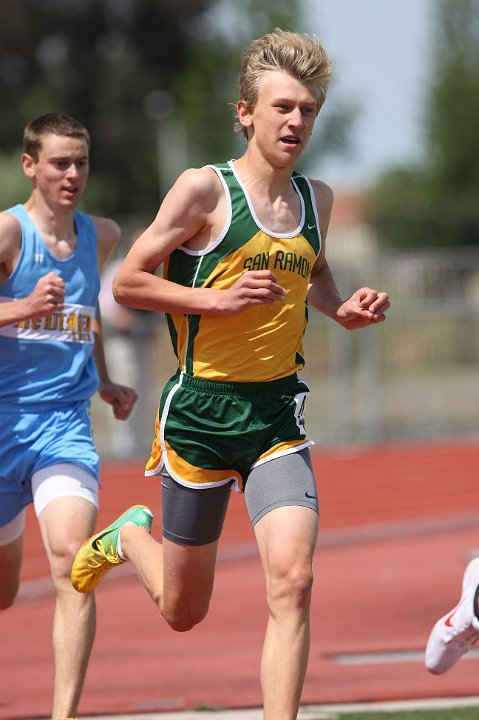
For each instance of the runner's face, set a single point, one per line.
(284, 115)
(61, 171)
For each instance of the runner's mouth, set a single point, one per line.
(290, 140)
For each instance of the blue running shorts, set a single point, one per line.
(35, 440)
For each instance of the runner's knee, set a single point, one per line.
(185, 616)
(290, 590)
(61, 559)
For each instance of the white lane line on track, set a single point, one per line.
(387, 656)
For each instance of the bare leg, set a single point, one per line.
(179, 578)
(10, 564)
(64, 524)
(286, 540)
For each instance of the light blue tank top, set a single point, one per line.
(46, 361)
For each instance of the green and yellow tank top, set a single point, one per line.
(264, 342)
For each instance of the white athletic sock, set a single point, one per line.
(118, 547)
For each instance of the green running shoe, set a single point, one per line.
(99, 554)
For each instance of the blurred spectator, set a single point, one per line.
(127, 338)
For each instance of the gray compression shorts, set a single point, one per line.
(196, 517)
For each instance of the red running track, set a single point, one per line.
(398, 524)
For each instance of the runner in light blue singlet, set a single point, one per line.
(51, 363)
(47, 372)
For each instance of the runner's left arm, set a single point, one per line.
(365, 306)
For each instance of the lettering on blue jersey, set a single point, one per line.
(38, 257)
(76, 325)
(81, 337)
(30, 324)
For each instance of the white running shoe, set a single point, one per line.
(455, 633)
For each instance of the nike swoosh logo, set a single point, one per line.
(310, 227)
(447, 621)
(94, 543)
(311, 497)
(98, 538)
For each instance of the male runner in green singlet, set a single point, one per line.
(242, 246)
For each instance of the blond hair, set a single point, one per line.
(51, 124)
(301, 55)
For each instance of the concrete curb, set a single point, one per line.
(306, 712)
